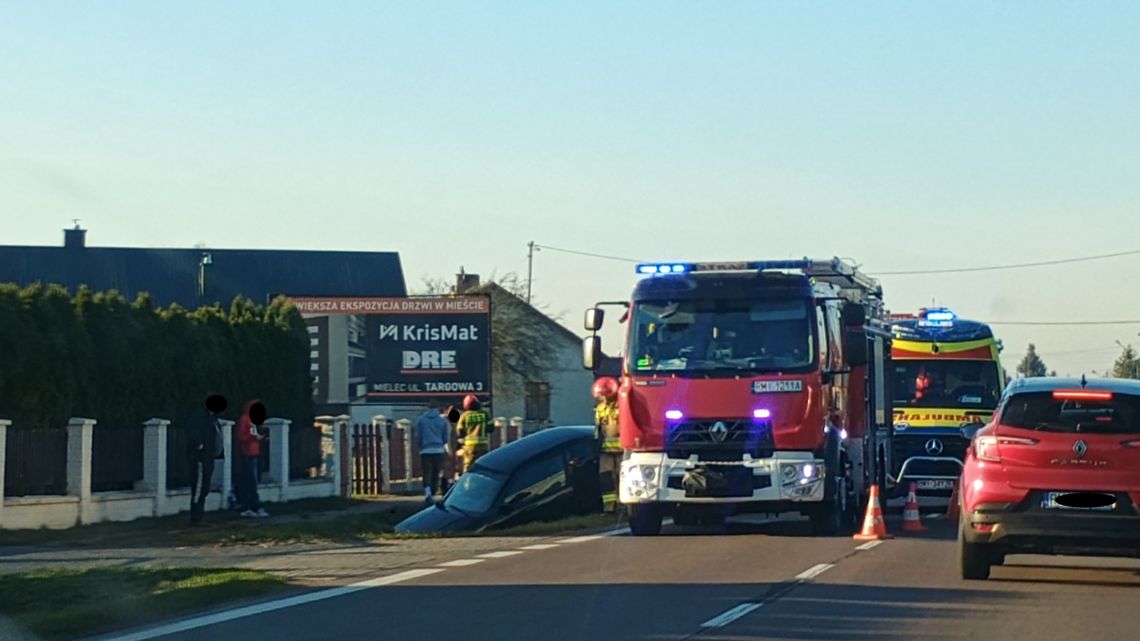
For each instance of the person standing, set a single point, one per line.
(474, 428)
(249, 438)
(432, 433)
(605, 393)
(204, 446)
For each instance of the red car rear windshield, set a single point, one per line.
(1041, 411)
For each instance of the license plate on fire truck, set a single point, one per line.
(934, 484)
(761, 387)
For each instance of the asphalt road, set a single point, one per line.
(766, 581)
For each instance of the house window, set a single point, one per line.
(537, 401)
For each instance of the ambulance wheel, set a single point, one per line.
(644, 519)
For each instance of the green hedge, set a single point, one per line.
(101, 356)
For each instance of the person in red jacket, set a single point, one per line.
(249, 438)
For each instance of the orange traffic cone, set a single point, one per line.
(953, 507)
(874, 528)
(912, 521)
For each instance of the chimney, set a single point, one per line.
(75, 238)
(465, 282)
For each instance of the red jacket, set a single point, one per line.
(249, 444)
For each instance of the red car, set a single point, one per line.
(1057, 471)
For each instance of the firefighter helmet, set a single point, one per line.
(470, 402)
(605, 387)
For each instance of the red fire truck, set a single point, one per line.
(750, 387)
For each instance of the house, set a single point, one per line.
(536, 362)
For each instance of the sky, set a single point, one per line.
(907, 136)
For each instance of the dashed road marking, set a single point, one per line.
(459, 563)
(270, 606)
(540, 546)
(725, 618)
(868, 545)
(502, 554)
(814, 571)
(583, 539)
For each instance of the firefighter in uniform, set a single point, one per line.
(474, 430)
(606, 421)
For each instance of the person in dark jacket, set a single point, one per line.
(204, 446)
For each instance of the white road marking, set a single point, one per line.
(868, 545)
(540, 546)
(270, 606)
(459, 563)
(724, 619)
(502, 554)
(583, 539)
(814, 571)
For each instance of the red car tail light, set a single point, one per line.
(988, 448)
(1082, 395)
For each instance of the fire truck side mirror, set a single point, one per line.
(594, 318)
(854, 315)
(591, 352)
(855, 350)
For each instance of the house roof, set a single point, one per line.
(558, 328)
(171, 275)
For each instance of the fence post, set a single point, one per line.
(4, 424)
(79, 434)
(517, 423)
(227, 464)
(154, 462)
(380, 422)
(406, 425)
(344, 473)
(279, 454)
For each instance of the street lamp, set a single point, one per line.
(203, 260)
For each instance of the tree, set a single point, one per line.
(1127, 365)
(523, 346)
(1032, 365)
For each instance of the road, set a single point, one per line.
(753, 581)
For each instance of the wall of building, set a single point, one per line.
(570, 400)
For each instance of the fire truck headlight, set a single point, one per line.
(649, 473)
(808, 471)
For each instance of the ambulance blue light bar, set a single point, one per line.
(937, 317)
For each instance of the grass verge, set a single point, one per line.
(68, 604)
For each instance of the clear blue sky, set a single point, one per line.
(906, 135)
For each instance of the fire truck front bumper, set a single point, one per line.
(652, 477)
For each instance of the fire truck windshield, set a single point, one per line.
(721, 336)
(946, 383)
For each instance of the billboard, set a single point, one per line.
(398, 350)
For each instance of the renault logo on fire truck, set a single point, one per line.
(1080, 448)
(934, 447)
(718, 431)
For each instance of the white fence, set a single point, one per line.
(151, 496)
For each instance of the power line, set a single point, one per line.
(1065, 323)
(1043, 263)
(590, 254)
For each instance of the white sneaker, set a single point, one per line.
(261, 514)
(249, 514)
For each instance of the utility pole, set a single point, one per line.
(529, 269)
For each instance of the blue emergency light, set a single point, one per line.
(662, 268)
(937, 317)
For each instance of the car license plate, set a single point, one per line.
(934, 484)
(1049, 502)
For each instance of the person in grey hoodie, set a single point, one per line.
(432, 434)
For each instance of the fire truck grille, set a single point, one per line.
(720, 439)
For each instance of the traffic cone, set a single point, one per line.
(874, 528)
(953, 507)
(912, 520)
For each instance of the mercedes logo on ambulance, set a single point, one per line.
(718, 431)
(934, 447)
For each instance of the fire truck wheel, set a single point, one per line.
(644, 519)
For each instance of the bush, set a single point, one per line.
(100, 356)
